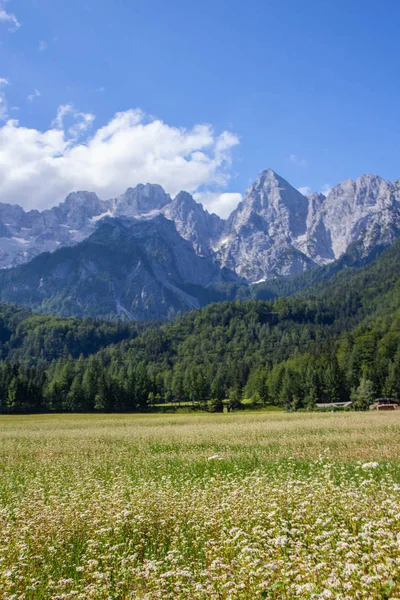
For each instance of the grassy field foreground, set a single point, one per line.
(237, 506)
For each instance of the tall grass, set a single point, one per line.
(255, 505)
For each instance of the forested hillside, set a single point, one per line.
(335, 340)
(37, 340)
(145, 271)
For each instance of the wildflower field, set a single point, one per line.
(239, 506)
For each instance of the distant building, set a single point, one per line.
(333, 404)
(385, 404)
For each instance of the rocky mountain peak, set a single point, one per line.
(269, 178)
(82, 198)
(268, 188)
(272, 213)
(185, 203)
(367, 190)
(75, 212)
(274, 199)
(193, 222)
(12, 213)
(351, 209)
(258, 240)
(141, 199)
(274, 231)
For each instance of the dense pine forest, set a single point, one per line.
(336, 340)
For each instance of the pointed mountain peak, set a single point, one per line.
(184, 205)
(185, 198)
(269, 173)
(269, 176)
(276, 203)
(271, 189)
(270, 183)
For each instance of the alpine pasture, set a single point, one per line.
(228, 506)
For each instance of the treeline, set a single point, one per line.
(73, 386)
(339, 340)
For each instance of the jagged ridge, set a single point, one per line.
(275, 231)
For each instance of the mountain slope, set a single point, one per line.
(140, 269)
(292, 352)
(92, 277)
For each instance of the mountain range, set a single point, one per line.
(146, 255)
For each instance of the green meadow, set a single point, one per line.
(225, 506)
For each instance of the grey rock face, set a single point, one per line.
(274, 231)
(259, 240)
(278, 231)
(365, 211)
(140, 269)
(194, 223)
(142, 199)
(31, 233)
(353, 208)
(25, 235)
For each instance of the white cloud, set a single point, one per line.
(9, 18)
(62, 111)
(300, 162)
(304, 190)
(81, 122)
(220, 203)
(35, 94)
(39, 168)
(42, 46)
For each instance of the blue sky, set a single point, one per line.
(308, 88)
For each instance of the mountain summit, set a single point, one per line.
(259, 237)
(274, 231)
